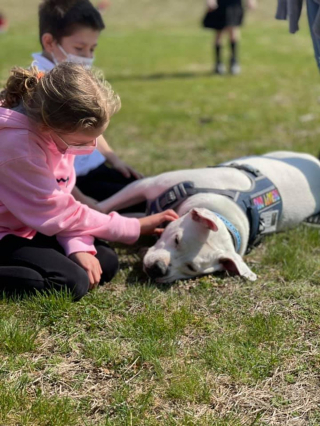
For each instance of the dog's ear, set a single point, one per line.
(234, 264)
(205, 217)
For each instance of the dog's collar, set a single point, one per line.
(235, 234)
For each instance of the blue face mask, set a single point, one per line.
(85, 62)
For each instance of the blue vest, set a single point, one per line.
(262, 203)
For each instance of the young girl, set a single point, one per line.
(226, 16)
(47, 238)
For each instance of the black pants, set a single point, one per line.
(40, 264)
(103, 182)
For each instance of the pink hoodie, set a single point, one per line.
(36, 181)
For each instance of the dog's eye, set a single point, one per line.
(191, 267)
(176, 240)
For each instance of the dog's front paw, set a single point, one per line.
(249, 275)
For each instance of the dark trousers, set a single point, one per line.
(27, 266)
(103, 182)
(313, 9)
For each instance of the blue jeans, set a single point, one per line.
(313, 9)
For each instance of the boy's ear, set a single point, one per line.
(48, 42)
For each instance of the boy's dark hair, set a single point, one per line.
(62, 17)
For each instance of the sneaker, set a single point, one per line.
(235, 68)
(313, 221)
(219, 68)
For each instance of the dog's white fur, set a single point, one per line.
(199, 242)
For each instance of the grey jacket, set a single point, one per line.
(291, 9)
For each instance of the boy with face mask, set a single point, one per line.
(69, 32)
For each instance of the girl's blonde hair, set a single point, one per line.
(67, 98)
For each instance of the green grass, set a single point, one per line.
(253, 350)
(215, 351)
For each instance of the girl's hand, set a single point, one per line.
(251, 4)
(212, 4)
(90, 264)
(149, 224)
(122, 167)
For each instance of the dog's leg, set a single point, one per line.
(133, 193)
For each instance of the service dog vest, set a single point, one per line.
(262, 203)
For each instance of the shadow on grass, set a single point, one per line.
(136, 277)
(160, 76)
(12, 296)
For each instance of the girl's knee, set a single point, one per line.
(108, 260)
(218, 37)
(78, 282)
(110, 266)
(234, 34)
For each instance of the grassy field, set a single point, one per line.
(215, 351)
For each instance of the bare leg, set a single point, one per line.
(234, 34)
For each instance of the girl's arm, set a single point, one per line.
(30, 191)
(212, 4)
(38, 202)
(115, 161)
(251, 4)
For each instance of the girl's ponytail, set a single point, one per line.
(20, 86)
(67, 99)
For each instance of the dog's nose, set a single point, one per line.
(157, 270)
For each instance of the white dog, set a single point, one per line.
(223, 210)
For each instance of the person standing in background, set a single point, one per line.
(3, 23)
(226, 16)
(292, 9)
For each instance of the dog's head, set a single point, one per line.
(198, 243)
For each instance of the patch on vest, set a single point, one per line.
(270, 216)
(267, 199)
